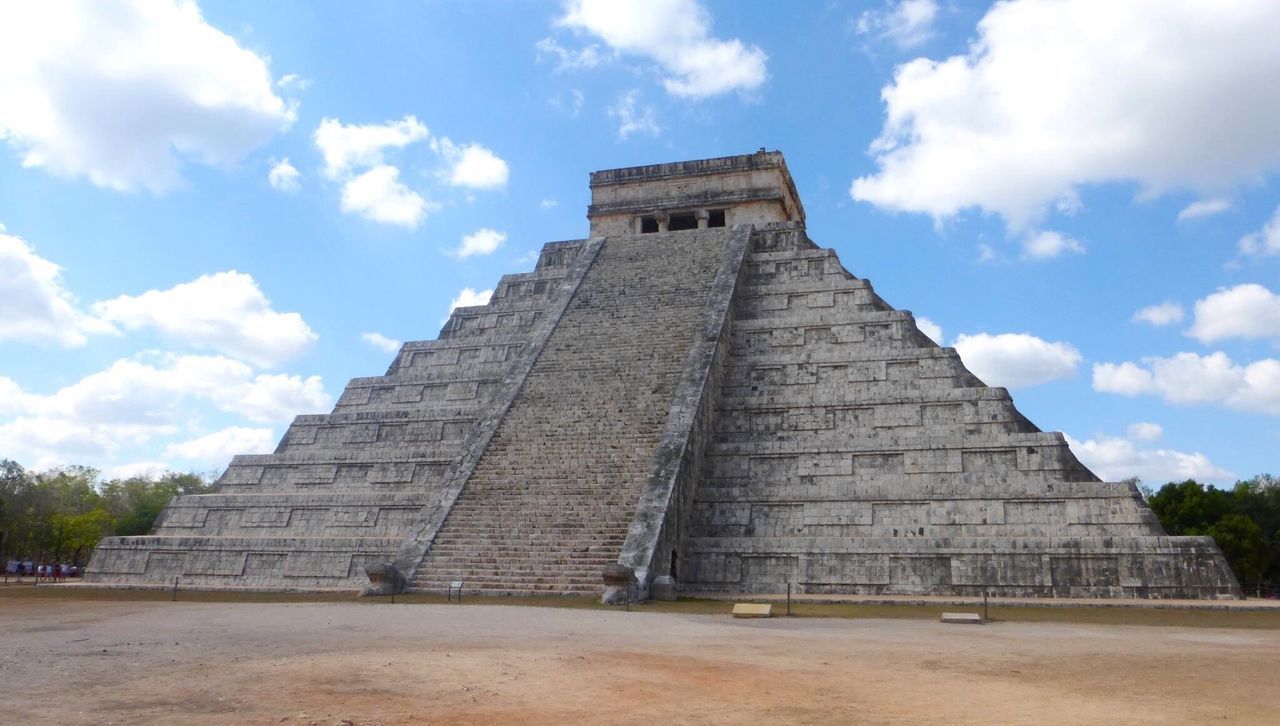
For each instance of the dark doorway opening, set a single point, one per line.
(682, 222)
(648, 225)
(716, 218)
(674, 576)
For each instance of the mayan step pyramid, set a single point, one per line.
(696, 390)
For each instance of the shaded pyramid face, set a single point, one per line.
(697, 390)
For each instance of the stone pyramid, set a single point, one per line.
(696, 390)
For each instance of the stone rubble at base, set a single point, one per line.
(696, 391)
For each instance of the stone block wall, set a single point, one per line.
(853, 455)
(727, 405)
(658, 528)
(549, 501)
(346, 488)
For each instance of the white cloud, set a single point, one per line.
(1116, 459)
(1047, 245)
(225, 311)
(219, 446)
(571, 105)
(1015, 360)
(1263, 242)
(372, 188)
(1166, 313)
(144, 469)
(473, 166)
(293, 82)
(284, 177)
(930, 328)
(1127, 378)
(136, 400)
(381, 342)
(34, 306)
(481, 242)
(587, 57)
(1243, 311)
(355, 155)
(631, 118)
(1145, 431)
(906, 24)
(1054, 95)
(275, 397)
(548, 204)
(41, 443)
(1191, 379)
(1203, 208)
(676, 34)
(468, 297)
(987, 253)
(14, 400)
(125, 93)
(347, 148)
(379, 196)
(149, 389)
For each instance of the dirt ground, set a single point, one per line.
(67, 660)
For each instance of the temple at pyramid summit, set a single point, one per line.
(695, 392)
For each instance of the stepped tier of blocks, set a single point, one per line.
(851, 454)
(342, 490)
(699, 391)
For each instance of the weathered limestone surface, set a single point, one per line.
(853, 455)
(697, 393)
(550, 502)
(750, 189)
(344, 490)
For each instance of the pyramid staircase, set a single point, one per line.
(552, 498)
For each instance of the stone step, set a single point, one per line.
(483, 576)
(516, 541)
(539, 568)
(490, 584)
(508, 548)
(560, 480)
(441, 587)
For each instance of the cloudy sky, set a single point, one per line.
(214, 215)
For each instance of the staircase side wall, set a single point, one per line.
(419, 538)
(551, 501)
(658, 526)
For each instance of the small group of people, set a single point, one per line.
(42, 571)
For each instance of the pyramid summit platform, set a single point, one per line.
(698, 391)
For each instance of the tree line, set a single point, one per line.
(60, 514)
(1244, 520)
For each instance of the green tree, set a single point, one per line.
(1259, 500)
(67, 491)
(14, 483)
(75, 535)
(136, 502)
(1242, 543)
(1190, 508)
(1243, 520)
(61, 513)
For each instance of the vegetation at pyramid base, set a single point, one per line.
(60, 514)
(1244, 520)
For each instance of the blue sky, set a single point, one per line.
(216, 214)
